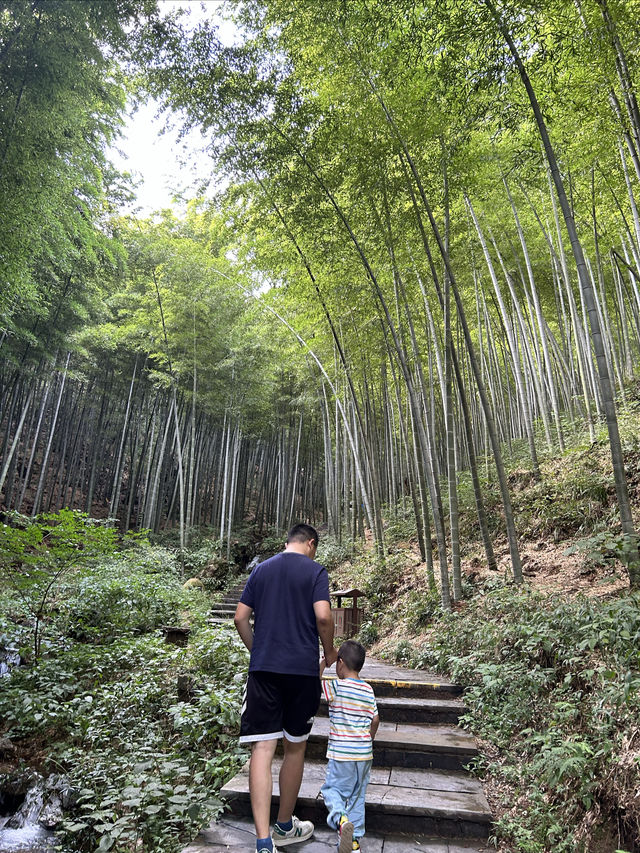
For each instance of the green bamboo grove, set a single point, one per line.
(425, 257)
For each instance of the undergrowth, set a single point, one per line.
(553, 682)
(553, 686)
(143, 732)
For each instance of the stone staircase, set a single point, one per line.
(420, 796)
(223, 611)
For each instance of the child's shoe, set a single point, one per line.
(355, 844)
(345, 831)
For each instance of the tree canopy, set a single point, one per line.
(425, 252)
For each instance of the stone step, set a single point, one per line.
(232, 834)
(406, 745)
(402, 709)
(426, 802)
(417, 689)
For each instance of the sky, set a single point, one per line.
(161, 164)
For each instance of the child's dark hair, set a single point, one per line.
(353, 655)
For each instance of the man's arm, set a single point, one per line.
(374, 726)
(241, 621)
(324, 621)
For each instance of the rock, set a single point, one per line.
(51, 813)
(7, 748)
(60, 787)
(186, 688)
(193, 583)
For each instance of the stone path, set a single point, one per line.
(236, 835)
(420, 796)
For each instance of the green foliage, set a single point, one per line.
(204, 560)
(152, 769)
(573, 499)
(604, 549)
(382, 580)
(402, 652)
(422, 607)
(124, 596)
(333, 553)
(35, 554)
(271, 543)
(61, 98)
(200, 556)
(368, 634)
(575, 495)
(212, 653)
(555, 687)
(146, 733)
(400, 526)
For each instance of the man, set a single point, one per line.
(289, 597)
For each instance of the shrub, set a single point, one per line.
(332, 553)
(36, 554)
(271, 543)
(144, 761)
(368, 634)
(555, 686)
(400, 522)
(422, 606)
(144, 767)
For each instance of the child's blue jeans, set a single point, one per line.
(344, 792)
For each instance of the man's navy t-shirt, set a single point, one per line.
(282, 591)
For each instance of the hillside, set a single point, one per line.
(552, 668)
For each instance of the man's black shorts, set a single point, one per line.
(277, 705)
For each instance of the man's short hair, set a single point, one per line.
(353, 655)
(302, 533)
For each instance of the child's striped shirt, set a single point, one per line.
(352, 707)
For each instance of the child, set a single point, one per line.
(353, 715)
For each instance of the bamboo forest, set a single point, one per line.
(402, 306)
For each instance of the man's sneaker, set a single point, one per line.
(300, 831)
(345, 831)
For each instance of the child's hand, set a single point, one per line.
(374, 727)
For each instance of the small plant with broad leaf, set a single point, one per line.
(36, 553)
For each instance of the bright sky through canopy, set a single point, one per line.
(164, 166)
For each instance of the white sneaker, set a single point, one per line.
(300, 831)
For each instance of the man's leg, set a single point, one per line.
(301, 697)
(261, 785)
(290, 777)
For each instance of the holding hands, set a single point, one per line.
(328, 660)
(331, 658)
